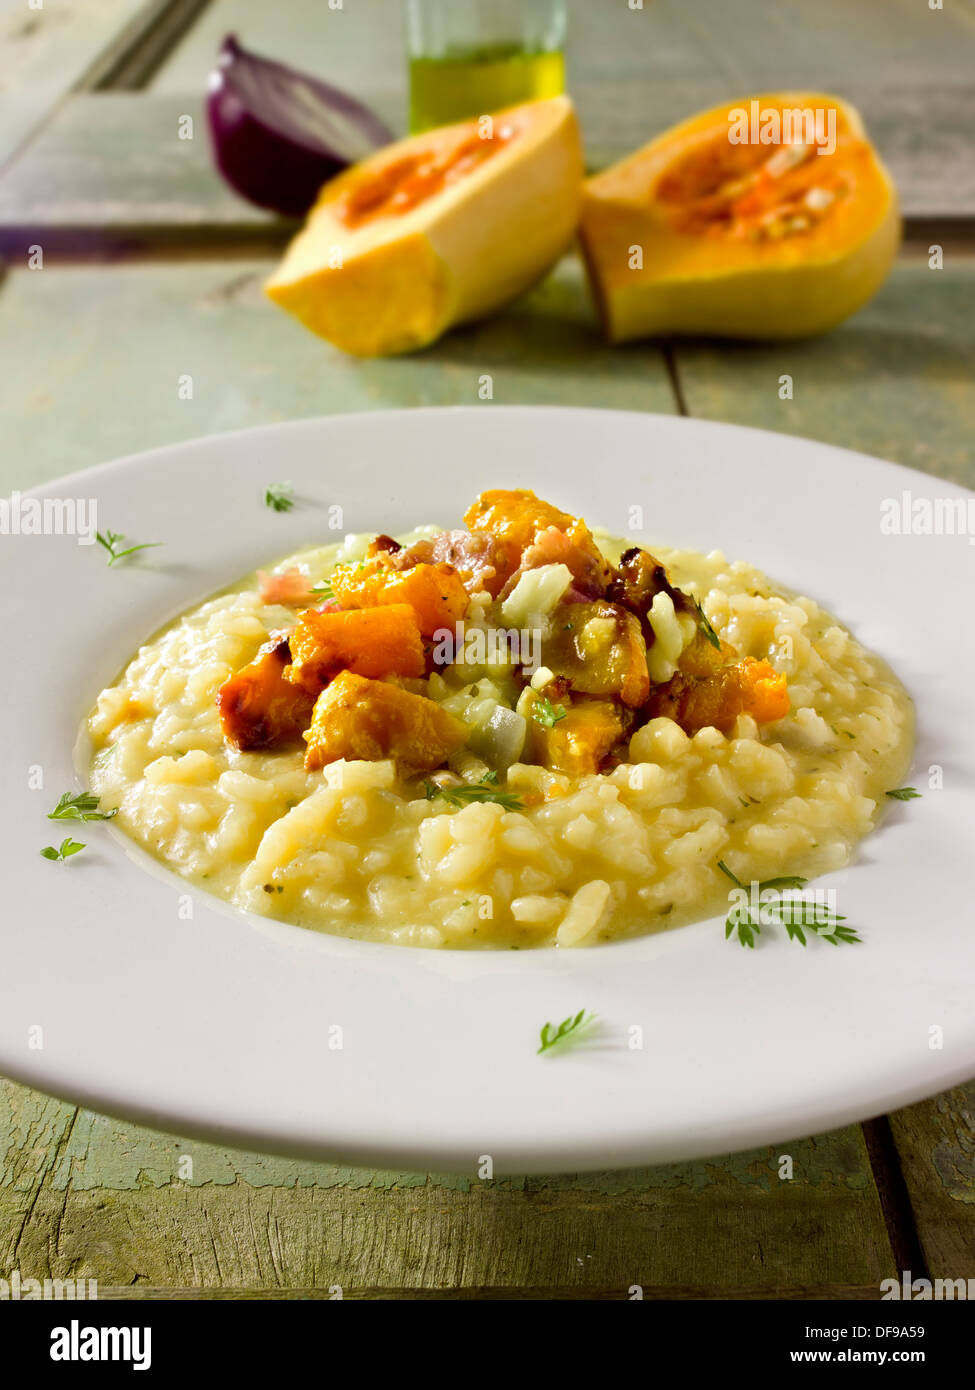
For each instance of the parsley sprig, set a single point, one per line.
(485, 790)
(64, 850)
(792, 913)
(569, 1028)
(84, 806)
(280, 497)
(904, 794)
(547, 714)
(111, 541)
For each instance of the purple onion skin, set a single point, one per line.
(279, 169)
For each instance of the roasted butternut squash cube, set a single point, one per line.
(436, 593)
(716, 700)
(260, 709)
(360, 718)
(515, 518)
(599, 649)
(581, 741)
(369, 641)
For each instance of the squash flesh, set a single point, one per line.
(711, 264)
(356, 717)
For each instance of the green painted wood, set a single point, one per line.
(120, 163)
(111, 168)
(895, 380)
(86, 1197)
(82, 380)
(936, 1147)
(46, 51)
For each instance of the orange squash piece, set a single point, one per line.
(436, 593)
(360, 718)
(716, 700)
(579, 743)
(515, 518)
(260, 709)
(369, 641)
(615, 664)
(740, 238)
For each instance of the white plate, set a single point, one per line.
(220, 1026)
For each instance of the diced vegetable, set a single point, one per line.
(716, 700)
(260, 709)
(501, 740)
(356, 717)
(516, 519)
(535, 595)
(599, 649)
(579, 743)
(435, 592)
(369, 641)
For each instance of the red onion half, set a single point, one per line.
(278, 134)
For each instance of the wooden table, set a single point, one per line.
(152, 270)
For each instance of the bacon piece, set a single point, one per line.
(291, 587)
(260, 709)
(638, 581)
(516, 518)
(473, 555)
(575, 549)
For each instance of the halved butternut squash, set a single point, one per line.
(436, 229)
(711, 229)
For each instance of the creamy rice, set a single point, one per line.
(355, 851)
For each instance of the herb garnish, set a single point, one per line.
(64, 851)
(569, 1027)
(111, 541)
(323, 590)
(547, 714)
(84, 806)
(705, 625)
(485, 790)
(904, 794)
(280, 497)
(791, 913)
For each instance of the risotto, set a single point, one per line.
(510, 735)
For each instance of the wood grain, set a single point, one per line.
(895, 380)
(82, 381)
(86, 1197)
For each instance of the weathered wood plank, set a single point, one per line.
(120, 163)
(895, 380)
(936, 1146)
(47, 51)
(91, 356)
(105, 1200)
(114, 163)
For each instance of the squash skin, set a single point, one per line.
(467, 250)
(786, 289)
